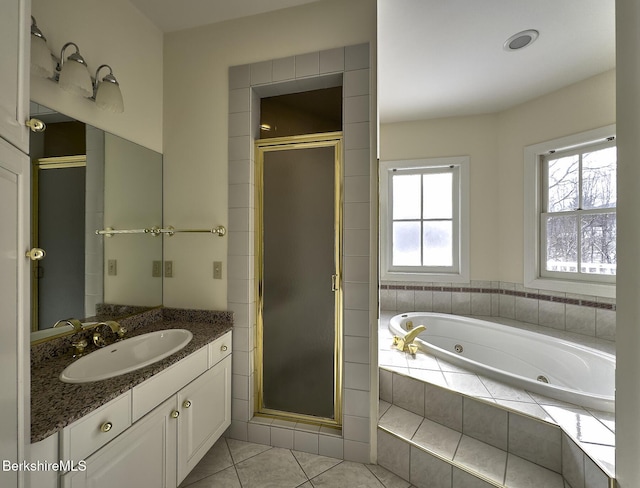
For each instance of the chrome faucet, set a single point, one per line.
(116, 328)
(405, 343)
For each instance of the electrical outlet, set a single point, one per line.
(156, 270)
(112, 267)
(217, 270)
(168, 269)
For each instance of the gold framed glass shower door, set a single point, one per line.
(298, 271)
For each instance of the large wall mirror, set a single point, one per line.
(86, 181)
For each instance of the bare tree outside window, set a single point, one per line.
(579, 221)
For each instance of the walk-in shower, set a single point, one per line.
(299, 296)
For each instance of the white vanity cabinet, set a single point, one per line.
(144, 455)
(14, 72)
(14, 241)
(163, 444)
(93, 431)
(205, 413)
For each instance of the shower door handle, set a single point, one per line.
(334, 282)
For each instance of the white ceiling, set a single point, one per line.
(441, 58)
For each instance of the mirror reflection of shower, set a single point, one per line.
(85, 179)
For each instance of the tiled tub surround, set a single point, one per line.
(452, 413)
(247, 83)
(586, 315)
(55, 404)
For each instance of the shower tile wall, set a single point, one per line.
(587, 315)
(300, 73)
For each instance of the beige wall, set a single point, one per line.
(113, 33)
(577, 108)
(474, 136)
(496, 144)
(196, 122)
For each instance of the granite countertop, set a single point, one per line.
(55, 404)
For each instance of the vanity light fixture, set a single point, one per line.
(42, 63)
(74, 73)
(521, 40)
(106, 92)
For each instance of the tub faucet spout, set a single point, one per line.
(405, 343)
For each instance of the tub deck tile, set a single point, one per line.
(487, 460)
(523, 474)
(401, 421)
(466, 383)
(500, 391)
(437, 438)
(593, 430)
(581, 425)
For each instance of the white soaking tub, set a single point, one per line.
(535, 362)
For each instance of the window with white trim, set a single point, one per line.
(424, 219)
(571, 208)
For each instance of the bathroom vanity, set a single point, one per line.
(149, 427)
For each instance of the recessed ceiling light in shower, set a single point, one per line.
(520, 40)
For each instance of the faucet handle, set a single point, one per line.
(121, 332)
(98, 340)
(79, 347)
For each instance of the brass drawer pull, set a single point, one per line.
(186, 404)
(175, 414)
(224, 348)
(106, 427)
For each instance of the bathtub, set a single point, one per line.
(535, 362)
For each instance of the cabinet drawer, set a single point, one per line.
(219, 349)
(151, 393)
(93, 431)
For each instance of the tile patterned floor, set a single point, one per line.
(593, 430)
(236, 464)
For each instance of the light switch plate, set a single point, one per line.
(217, 270)
(112, 267)
(156, 270)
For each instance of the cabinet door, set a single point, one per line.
(45, 450)
(144, 455)
(14, 72)
(205, 413)
(14, 309)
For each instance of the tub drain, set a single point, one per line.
(458, 348)
(542, 379)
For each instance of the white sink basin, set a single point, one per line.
(126, 356)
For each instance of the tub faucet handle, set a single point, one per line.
(405, 343)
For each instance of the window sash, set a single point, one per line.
(577, 213)
(454, 170)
